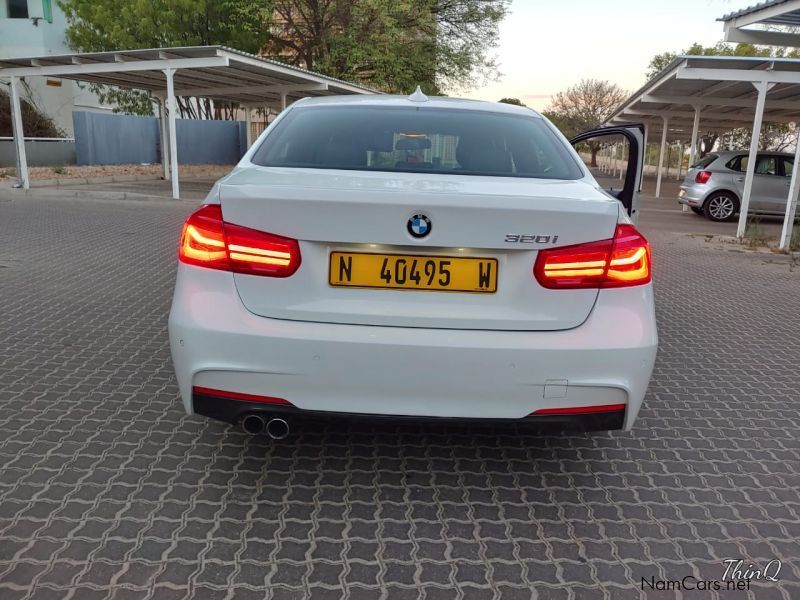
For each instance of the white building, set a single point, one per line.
(37, 28)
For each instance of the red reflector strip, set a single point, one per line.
(238, 396)
(579, 410)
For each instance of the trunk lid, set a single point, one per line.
(368, 212)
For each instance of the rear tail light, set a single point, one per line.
(208, 241)
(619, 262)
(702, 176)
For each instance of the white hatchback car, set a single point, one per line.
(414, 256)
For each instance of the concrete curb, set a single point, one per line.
(10, 195)
(69, 189)
(72, 181)
(68, 181)
(59, 181)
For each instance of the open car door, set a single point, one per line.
(628, 143)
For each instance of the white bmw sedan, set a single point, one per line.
(414, 256)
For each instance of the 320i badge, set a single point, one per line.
(530, 238)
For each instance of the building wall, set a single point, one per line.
(38, 36)
(39, 152)
(128, 139)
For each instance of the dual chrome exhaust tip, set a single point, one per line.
(275, 427)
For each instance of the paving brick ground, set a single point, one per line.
(107, 490)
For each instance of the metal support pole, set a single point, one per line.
(173, 138)
(791, 200)
(680, 161)
(164, 135)
(693, 144)
(248, 120)
(695, 132)
(19, 135)
(661, 155)
(613, 160)
(763, 87)
(283, 101)
(622, 160)
(644, 149)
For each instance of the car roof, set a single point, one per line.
(432, 102)
(732, 153)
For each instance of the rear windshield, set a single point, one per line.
(415, 139)
(705, 161)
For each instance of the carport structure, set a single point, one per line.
(721, 93)
(212, 72)
(764, 24)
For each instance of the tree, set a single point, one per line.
(34, 122)
(775, 137)
(514, 101)
(393, 45)
(98, 25)
(583, 106)
(658, 63)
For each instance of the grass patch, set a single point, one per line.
(754, 234)
(59, 169)
(794, 245)
(10, 172)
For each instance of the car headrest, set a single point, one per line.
(482, 154)
(341, 154)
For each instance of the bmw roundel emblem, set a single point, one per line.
(419, 226)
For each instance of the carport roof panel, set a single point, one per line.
(790, 18)
(728, 103)
(209, 71)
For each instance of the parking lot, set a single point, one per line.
(105, 483)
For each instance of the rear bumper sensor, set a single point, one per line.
(233, 407)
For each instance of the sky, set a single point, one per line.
(548, 45)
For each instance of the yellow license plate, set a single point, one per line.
(406, 272)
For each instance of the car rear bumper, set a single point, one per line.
(222, 408)
(400, 371)
(691, 196)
